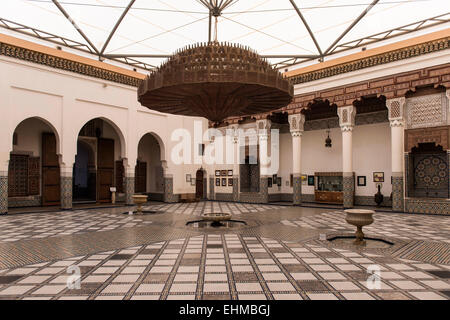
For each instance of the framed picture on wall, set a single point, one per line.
(217, 182)
(274, 177)
(269, 182)
(224, 182)
(304, 179)
(279, 181)
(223, 172)
(310, 180)
(217, 173)
(378, 177)
(230, 173)
(361, 181)
(188, 178)
(192, 182)
(230, 182)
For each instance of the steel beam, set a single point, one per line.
(352, 25)
(132, 55)
(307, 27)
(64, 12)
(209, 26)
(124, 13)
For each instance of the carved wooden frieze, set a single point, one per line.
(387, 57)
(438, 135)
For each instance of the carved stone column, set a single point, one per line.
(263, 129)
(347, 122)
(235, 139)
(211, 187)
(4, 191)
(296, 126)
(397, 121)
(168, 189)
(447, 94)
(128, 185)
(66, 187)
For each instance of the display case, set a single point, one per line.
(328, 187)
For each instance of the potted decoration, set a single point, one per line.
(378, 196)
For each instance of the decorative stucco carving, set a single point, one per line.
(296, 124)
(263, 127)
(427, 111)
(347, 117)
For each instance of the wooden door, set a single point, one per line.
(120, 173)
(105, 169)
(50, 171)
(140, 184)
(199, 184)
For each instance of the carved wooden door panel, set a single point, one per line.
(140, 177)
(50, 171)
(105, 169)
(199, 184)
(120, 172)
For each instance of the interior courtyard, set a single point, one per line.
(207, 159)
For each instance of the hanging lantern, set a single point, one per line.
(328, 140)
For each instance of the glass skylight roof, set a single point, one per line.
(271, 27)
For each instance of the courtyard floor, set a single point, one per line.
(280, 254)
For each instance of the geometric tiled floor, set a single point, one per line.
(232, 265)
(227, 267)
(43, 225)
(197, 208)
(401, 226)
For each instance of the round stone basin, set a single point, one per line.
(211, 225)
(139, 198)
(216, 218)
(359, 218)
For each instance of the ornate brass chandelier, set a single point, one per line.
(215, 80)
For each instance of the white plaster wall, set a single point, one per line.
(285, 165)
(371, 153)
(67, 101)
(29, 136)
(316, 157)
(150, 152)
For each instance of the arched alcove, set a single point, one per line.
(33, 172)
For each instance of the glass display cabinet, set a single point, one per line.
(328, 187)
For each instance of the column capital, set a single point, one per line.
(296, 124)
(347, 117)
(396, 113)
(263, 127)
(233, 131)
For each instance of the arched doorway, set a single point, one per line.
(33, 171)
(84, 173)
(199, 185)
(98, 165)
(149, 172)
